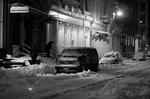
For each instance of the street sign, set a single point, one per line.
(19, 9)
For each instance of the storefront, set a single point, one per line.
(27, 26)
(100, 38)
(75, 30)
(72, 31)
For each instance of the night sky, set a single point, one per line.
(129, 19)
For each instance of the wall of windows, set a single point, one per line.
(72, 35)
(142, 6)
(99, 8)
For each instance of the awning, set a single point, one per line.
(101, 32)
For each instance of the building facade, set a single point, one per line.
(143, 24)
(24, 23)
(71, 23)
(82, 25)
(72, 29)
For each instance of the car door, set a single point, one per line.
(87, 56)
(93, 56)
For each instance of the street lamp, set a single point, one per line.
(116, 14)
(119, 13)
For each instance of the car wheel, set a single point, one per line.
(117, 61)
(95, 69)
(84, 68)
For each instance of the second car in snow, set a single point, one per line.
(111, 58)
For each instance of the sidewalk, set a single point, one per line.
(47, 60)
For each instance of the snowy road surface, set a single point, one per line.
(130, 80)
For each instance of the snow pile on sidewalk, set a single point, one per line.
(130, 62)
(28, 70)
(43, 85)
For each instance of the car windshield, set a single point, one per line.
(72, 52)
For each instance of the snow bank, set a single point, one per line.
(30, 70)
(127, 88)
(82, 75)
(41, 82)
(130, 62)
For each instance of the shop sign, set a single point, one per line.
(19, 9)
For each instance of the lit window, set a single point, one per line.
(142, 6)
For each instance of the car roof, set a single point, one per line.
(113, 52)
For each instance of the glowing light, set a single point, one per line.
(30, 89)
(141, 21)
(119, 13)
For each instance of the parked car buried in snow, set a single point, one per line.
(77, 59)
(10, 61)
(111, 58)
(141, 56)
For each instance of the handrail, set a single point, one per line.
(26, 48)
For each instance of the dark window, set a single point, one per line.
(149, 20)
(86, 5)
(142, 6)
(149, 6)
(141, 31)
(149, 33)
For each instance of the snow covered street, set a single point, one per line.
(130, 80)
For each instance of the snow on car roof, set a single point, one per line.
(109, 53)
(80, 48)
